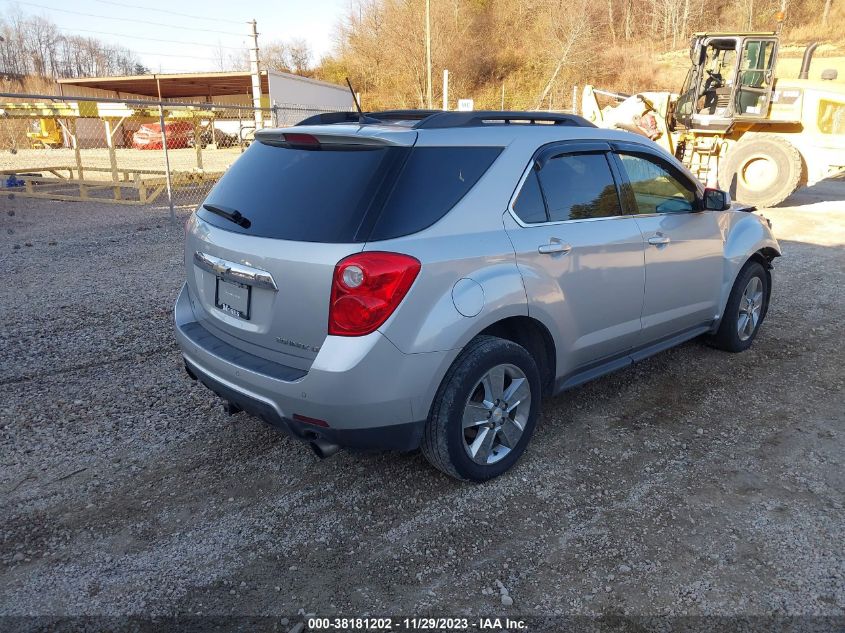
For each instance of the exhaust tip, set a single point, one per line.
(322, 448)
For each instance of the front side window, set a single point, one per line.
(579, 186)
(656, 189)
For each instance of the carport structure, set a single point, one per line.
(208, 86)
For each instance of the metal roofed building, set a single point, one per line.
(277, 88)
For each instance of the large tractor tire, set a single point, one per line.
(762, 170)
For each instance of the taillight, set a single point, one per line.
(366, 289)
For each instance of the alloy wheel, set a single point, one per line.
(750, 308)
(496, 413)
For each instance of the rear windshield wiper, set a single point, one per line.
(230, 214)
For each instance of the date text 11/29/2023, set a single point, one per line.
(415, 624)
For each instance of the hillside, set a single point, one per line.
(530, 53)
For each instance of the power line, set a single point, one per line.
(141, 37)
(135, 6)
(203, 57)
(150, 39)
(105, 17)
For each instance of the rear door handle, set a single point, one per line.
(554, 247)
(658, 240)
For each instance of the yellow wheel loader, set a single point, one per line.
(45, 134)
(735, 124)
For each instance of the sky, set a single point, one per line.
(189, 44)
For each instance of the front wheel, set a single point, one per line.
(745, 310)
(485, 410)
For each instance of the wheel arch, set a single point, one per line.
(750, 245)
(765, 256)
(535, 337)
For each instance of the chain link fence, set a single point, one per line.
(126, 151)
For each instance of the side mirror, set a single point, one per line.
(716, 200)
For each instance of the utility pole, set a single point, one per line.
(428, 54)
(256, 78)
(445, 89)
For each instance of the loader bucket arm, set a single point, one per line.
(590, 109)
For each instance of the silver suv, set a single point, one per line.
(418, 279)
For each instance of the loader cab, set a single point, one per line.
(731, 79)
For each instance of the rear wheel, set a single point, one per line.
(762, 170)
(485, 410)
(745, 310)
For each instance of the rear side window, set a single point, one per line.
(433, 180)
(579, 186)
(529, 205)
(301, 194)
(345, 194)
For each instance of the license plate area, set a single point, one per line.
(233, 298)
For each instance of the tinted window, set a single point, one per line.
(432, 181)
(529, 205)
(656, 189)
(579, 186)
(301, 194)
(339, 194)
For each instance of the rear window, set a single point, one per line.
(301, 194)
(346, 194)
(433, 180)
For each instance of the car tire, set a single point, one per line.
(762, 170)
(741, 320)
(499, 430)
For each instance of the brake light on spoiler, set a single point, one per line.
(307, 140)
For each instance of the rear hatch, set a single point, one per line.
(263, 284)
(261, 250)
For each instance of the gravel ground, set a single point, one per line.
(695, 483)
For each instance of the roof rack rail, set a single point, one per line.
(330, 118)
(439, 119)
(477, 118)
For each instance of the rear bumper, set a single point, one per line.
(399, 437)
(369, 393)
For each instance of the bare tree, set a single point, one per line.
(290, 57)
(536, 49)
(33, 45)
